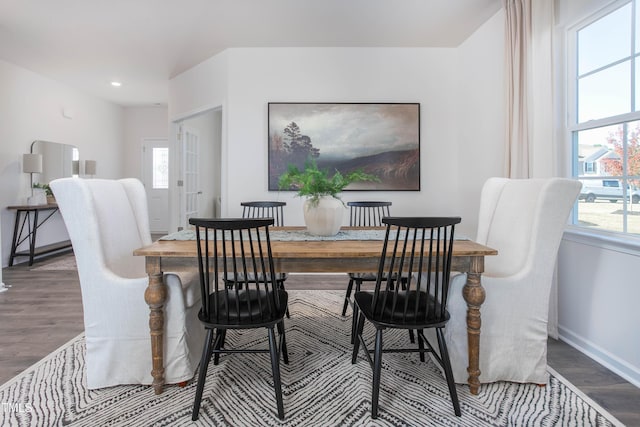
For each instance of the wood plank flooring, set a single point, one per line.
(43, 310)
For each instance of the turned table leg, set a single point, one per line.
(474, 295)
(155, 296)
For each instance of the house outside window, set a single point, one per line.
(604, 117)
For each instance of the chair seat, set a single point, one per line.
(370, 277)
(254, 309)
(252, 277)
(393, 312)
(365, 277)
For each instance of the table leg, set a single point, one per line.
(32, 241)
(155, 296)
(474, 295)
(14, 243)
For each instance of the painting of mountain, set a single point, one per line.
(379, 139)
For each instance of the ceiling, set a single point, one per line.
(143, 43)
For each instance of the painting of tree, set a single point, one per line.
(379, 139)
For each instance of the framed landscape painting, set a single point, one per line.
(379, 139)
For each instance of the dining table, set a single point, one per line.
(354, 250)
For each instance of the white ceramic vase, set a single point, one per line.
(325, 218)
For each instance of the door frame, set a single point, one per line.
(174, 166)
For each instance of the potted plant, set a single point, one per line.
(323, 209)
(47, 192)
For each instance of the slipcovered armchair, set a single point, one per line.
(524, 220)
(107, 220)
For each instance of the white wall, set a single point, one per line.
(259, 76)
(31, 108)
(597, 311)
(480, 114)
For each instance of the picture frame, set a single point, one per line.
(381, 139)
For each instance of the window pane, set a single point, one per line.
(633, 152)
(604, 94)
(609, 200)
(637, 27)
(637, 82)
(605, 41)
(595, 151)
(160, 167)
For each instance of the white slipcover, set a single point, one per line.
(107, 220)
(524, 220)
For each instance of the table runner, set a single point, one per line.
(304, 235)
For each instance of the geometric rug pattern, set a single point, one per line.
(320, 386)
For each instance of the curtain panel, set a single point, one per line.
(531, 148)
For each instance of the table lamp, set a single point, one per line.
(31, 163)
(90, 167)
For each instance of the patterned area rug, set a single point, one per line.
(321, 387)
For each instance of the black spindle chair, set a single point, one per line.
(238, 247)
(421, 250)
(363, 214)
(266, 209)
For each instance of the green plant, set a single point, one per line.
(45, 187)
(314, 183)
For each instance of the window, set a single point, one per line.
(160, 161)
(604, 117)
(589, 167)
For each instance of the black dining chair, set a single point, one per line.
(240, 247)
(363, 214)
(421, 250)
(266, 209)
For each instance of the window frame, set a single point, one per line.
(574, 127)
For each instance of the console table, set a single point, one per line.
(25, 228)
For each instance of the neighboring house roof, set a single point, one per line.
(594, 155)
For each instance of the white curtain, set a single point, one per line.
(531, 149)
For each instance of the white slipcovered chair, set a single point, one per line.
(107, 220)
(524, 220)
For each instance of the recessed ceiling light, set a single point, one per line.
(116, 84)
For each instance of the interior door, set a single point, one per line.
(155, 177)
(190, 142)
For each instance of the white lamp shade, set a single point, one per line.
(32, 163)
(89, 167)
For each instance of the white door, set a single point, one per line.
(155, 173)
(190, 144)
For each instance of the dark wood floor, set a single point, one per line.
(43, 310)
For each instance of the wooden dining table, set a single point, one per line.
(315, 256)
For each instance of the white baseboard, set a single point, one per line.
(610, 361)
